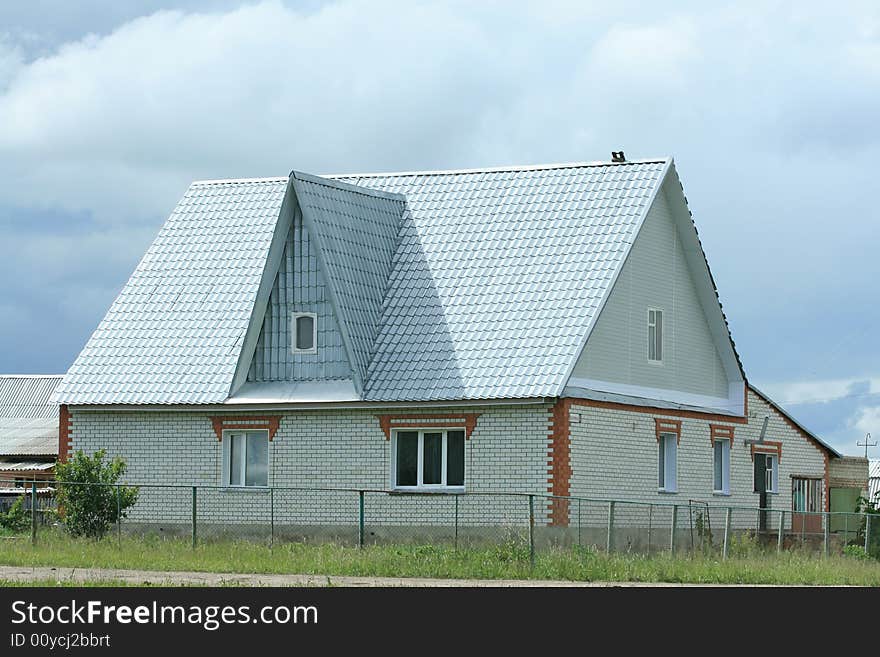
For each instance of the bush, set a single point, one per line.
(16, 519)
(855, 551)
(89, 495)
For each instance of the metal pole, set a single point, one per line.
(118, 515)
(271, 517)
(826, 521)
(867, 530)
(650, 525)
(672, 529)
(579, 522)
(194, 507)
(34, 514)
(361, 519)
(532, 530)
(456, 522)
(779, 532)
(726, 544)
(609, 539)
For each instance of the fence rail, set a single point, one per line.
(363, 516)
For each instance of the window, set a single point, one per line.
(766, 473)
(305, 333)
(667, 476)
(246, 458)
(430, 458)
(721, 462)
(655, 335)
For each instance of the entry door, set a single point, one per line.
(806, 505)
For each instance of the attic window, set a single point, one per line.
(305, 333)
(655, 335)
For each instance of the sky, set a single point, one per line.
(109, 110)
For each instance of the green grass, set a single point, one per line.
(507, 561)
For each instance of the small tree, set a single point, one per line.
(89, 495)
(16, 519)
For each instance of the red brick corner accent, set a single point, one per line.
(224, 422)
(559, 462)
(721, 431)
(64, 421)
(767, 447)
(388, 422)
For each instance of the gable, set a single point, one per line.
(658, 274)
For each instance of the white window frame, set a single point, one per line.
(667, 444)
(773, 471)
(227, 456)
(421, 460)
(294, 333)
(653, 324)
(725, 466)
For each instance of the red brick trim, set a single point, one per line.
(64, 422)
(389, 422)
(767, 447)
(222, 423)
(719, 431)
(656, 410)
(559, 463)
(662, 425)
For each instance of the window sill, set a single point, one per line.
(720, 493)
(244, 489)
(427, 491)
(663, 491)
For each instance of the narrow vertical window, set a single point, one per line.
(655, 335)
(772, 474)
(721, 477)
(305, 333)
(667, 446)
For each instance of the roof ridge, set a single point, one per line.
(234, 181)
(500, 169)
(346, 186)
(31, 376)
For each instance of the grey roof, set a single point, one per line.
(174, 333)
(28, 415)
(18, 466)
(487, 289)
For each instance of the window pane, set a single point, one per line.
(236, 458)
(661, 476)
(432, 469)
(407, 458)
(760, 474)
(257, 472)
(652, 354)
(671, 475)
(455, 458)
(305, 328)
(719, 465)
(658, 335)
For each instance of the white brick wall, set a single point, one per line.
(614, 455)
(323, 449)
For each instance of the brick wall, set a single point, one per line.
(849, 472)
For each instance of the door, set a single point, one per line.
(806, 505)
(760, 479)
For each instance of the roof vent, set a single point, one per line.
(618, 156)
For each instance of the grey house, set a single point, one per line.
(541, 329)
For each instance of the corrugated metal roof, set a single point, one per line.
(486, 291)
(28, 436)
(498, 276)
(16, 466)
(28, 395)
(174, 333)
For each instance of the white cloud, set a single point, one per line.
(820, 391)
(867, 420)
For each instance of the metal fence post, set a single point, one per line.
(779, 532)
(672, 529)
(34, 514)
(826, 522)
(609, 539)
(579, 523)
(271, 517)
(360, 518)
(532, 530)
(456, 522)
(118, 515)
(726, 544)
(650, 525)
(194, 507)
(867, 530)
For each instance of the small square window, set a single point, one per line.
(246, 458)
(305, 333)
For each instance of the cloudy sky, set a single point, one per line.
(108, 110)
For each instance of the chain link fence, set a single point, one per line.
(361, 517)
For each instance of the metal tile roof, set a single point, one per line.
(174, 333)
(499, 274)
(486, 291)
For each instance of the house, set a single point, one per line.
(28, 433)
(539, 329)
(874, 482)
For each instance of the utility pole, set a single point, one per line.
(867, 444)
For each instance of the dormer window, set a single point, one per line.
(305, 333)
(655, 335)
